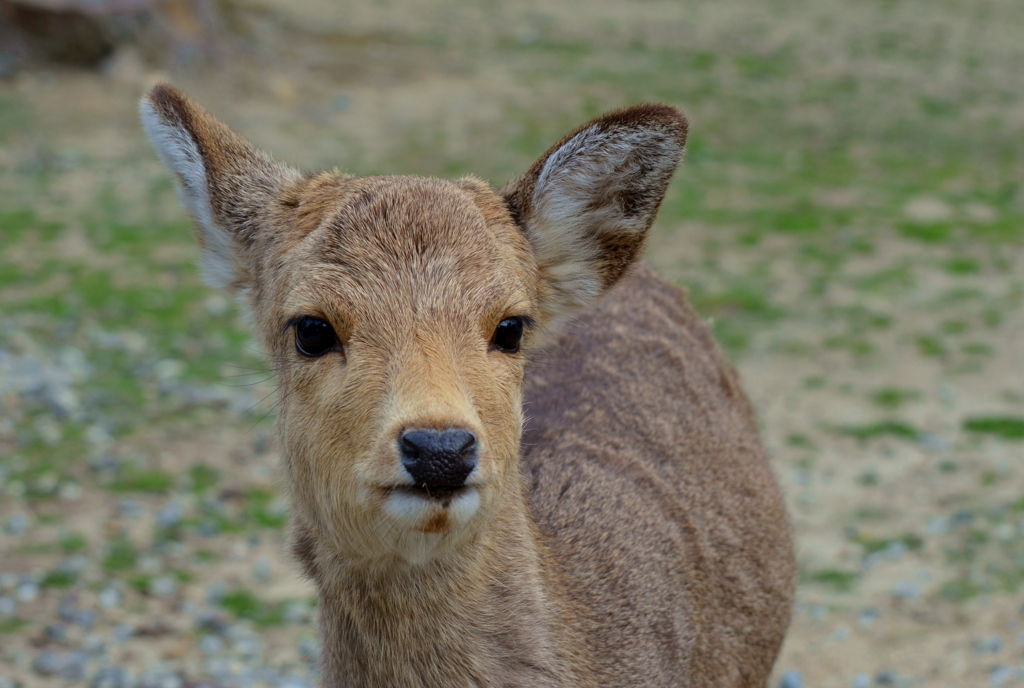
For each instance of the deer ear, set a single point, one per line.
(226, 184)
(587, 204)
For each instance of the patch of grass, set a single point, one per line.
(959, 590)
(203, 477)
(932, 233)
(895, 428)
(153, 482)
(1006, 427)
(893, 397)
(839, 580)
(73, 543)
(259, 508)
(121, 556)
(12, 625)
(962, 266)
(930, 346)
(245, 605)
(912, 542)
(59, 579)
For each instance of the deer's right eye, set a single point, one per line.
(314, 337)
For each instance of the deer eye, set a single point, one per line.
(508, 334)
(314, 337)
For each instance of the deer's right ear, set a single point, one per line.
(227, 184)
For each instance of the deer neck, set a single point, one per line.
(486, 615)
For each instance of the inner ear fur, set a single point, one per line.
(587, 203)
(226, 183)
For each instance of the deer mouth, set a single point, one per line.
(432, 509)
(444, 494)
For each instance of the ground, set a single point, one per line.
(850, 214)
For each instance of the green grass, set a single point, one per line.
(121, 556)
(1005, 427)
(244, 604)
(153, 482)
(893, 428)
(893, 397)
(839, 580)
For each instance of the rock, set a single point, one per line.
(26, 592)
(160, 678)
(886, 678)
(66, 608)
(907, 590)
(94, 645)
(868, 616)
(131, 509)
(109, 598)
(861, 681)
(86, 618)
(8, 607)
(17, 524)
(792, 679)
(261, 572)
(123, 632)
(170, 515)
(48, 663)
(163, 587)
(988, 646)
(1000, 674)
(113, 676)
(58, 632)
(75, 667)
(211, 645)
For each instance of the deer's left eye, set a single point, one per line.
(314, 337)
(508, 335)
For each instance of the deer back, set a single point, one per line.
(648, 481)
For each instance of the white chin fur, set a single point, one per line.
(412, 511)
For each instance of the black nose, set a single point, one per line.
(438, 458)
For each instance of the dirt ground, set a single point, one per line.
(851, 216)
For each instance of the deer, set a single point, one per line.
(514, 455)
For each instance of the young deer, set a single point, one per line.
(632, 535)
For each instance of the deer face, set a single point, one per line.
(398, 311)
(399, 331)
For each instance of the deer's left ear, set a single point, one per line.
(227, 184)
(587, 203)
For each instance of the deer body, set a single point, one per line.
(633, 536)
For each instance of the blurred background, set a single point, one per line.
(850, 215)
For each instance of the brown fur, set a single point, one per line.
(638, 538)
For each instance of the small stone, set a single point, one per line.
(17, 524)
(131, 509)
(170, 515)
(792, 679)
(309, 648)
(907, 590)
(8, 607)
(109, 598)
(58, 632)
(8, 581)
(211, 645)
(162, 587)
(209, 528)
(988, 646)
(293, 681)
(93, 645)
(75, 666)
(123, 632)
(215, 592)
(886, 678)
(1000, 674)
(113, 676)
(66, 608)
(48, 663)
(861, 681)
(26, 592)
(261, 572)
(868, 616)
(86, 618)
